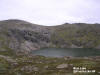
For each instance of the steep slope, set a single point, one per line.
(22, 36)
(78, 35)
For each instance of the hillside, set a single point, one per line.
(22, 36)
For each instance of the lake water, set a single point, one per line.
(60, 52)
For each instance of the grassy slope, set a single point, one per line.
(83, 35)
(39, 65)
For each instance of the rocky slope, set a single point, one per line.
(21, 36)
(40, 65)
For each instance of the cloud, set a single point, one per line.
(51, 12)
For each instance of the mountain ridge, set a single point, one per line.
(22, 36)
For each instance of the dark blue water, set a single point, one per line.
(73, 52)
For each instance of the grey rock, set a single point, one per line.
(61, 66)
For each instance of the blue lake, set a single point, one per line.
(61, 52)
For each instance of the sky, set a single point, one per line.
(51, 12)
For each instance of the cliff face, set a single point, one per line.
(21, 36)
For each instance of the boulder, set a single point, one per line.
(61, 66)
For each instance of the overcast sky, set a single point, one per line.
(51, 12)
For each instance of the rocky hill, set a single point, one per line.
(22, 36)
